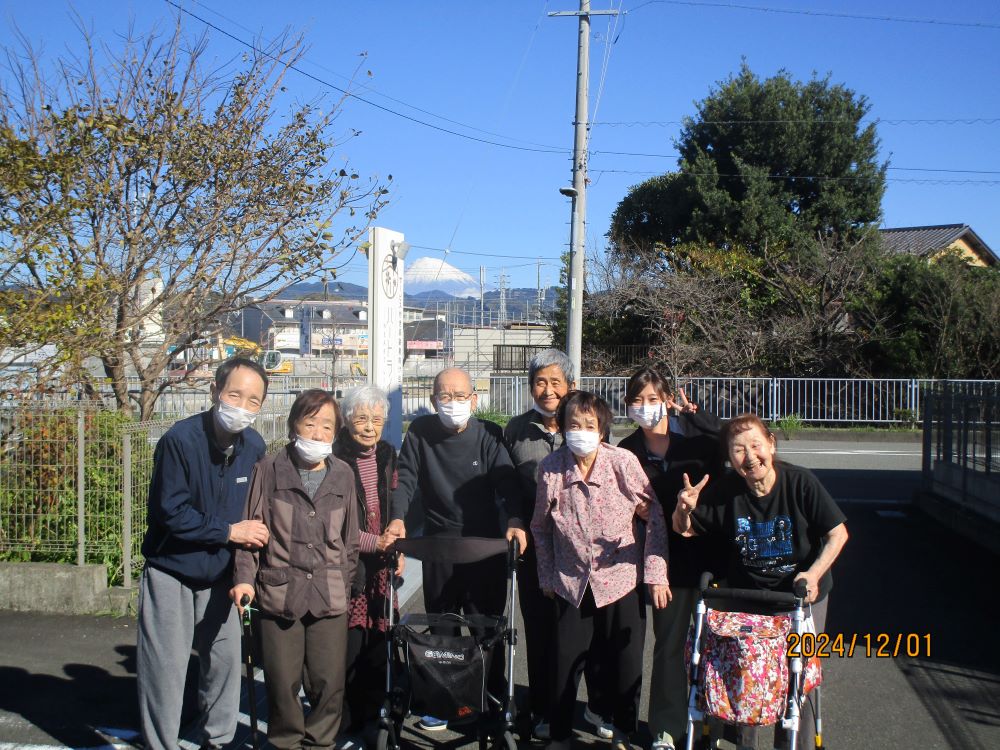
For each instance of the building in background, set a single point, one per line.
(931, 241)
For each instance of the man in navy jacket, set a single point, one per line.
(201, 473)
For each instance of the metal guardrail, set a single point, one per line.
(961, 453)
(813, 400)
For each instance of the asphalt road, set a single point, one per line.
(70, 681)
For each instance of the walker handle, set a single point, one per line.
(706, 580)
(800, 588)
(754, 595)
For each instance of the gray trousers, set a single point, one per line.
(173, 618)
(314, 648)
(668, 683)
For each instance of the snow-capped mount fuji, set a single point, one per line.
(436, 275)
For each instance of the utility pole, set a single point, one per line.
(503, 296)
(541, 294)
(482, 292)
(577, 235)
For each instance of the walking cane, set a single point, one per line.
(248, 661)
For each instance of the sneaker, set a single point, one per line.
(541, 730)
(604, 729)
(663, 741)
(432, 724)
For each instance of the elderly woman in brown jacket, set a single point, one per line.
(302, 578)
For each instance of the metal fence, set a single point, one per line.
(961, 455)
(181, 401)
(74, 475)
(813, 400)
(74, 479)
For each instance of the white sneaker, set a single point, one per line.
(432, 724)
(663, 741)
(603, 728)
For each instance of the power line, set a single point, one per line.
(374, 91)
(833, 121)
(345, 92)
(466, 252)
(822, 14)
(538, 148)
(909, 180)
(895, 169)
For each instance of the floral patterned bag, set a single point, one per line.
(744, 672)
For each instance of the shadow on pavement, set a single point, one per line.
(903, 574)
(70, 709)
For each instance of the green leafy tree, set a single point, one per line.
(775, 161)
(764, 240)
(939, 319)
(154, 195)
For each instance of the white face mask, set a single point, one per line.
(582, 442)
(647, 415)
(233, 419)
(312, 451)
(543, 412)
(455, 414)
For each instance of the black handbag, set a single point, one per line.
(447, 672)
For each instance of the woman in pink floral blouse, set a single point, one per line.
(590, 562)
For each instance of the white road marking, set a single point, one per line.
(858, 452)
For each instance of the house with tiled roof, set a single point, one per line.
(931, 241)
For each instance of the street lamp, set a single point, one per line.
(399, 251)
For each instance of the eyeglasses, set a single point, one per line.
(447, 398)
(373, 421)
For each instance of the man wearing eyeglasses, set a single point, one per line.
(468, 487)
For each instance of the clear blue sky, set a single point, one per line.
(509, 70)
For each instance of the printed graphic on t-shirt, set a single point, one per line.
(766, 545)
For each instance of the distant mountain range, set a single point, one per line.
(519, 301)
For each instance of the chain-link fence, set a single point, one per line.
(60, 482)
(74, 478)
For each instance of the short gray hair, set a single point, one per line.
(548, 358)
(364, 395)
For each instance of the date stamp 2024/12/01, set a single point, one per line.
(871, 645)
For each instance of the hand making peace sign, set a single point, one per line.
(687, 498)
(680, 405)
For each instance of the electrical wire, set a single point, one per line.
(369, 102)
(876, 121)
(609, 43)
(821, 14)
(376, 92)
(466, 252)
(910, 180)
(542, 149)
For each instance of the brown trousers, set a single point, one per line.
(314, 648)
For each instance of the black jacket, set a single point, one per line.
(346, 449)
(196, 492)
(696, 452)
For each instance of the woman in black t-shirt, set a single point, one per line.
(778, 522)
